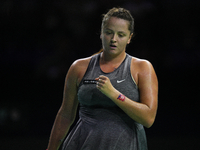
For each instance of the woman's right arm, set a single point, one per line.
(67, 112)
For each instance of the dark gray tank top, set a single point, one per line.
(120, 78)
(102, 123)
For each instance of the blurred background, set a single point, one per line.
(39, 40)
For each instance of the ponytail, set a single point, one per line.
(101, 50)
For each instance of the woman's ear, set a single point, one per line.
(129, 40)
(101, 36)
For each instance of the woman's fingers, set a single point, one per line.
(102, 81)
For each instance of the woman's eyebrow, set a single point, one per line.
(108, 29)
(117, 31)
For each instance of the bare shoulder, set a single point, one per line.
(78, 68)
(141, 65)
(140, 62)
(79, 63)
(141, 69)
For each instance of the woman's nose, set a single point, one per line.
(113, 39)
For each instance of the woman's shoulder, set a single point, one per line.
(142, 65)
(139, 61)
(81, 62)
(79, 67)
(141, 68)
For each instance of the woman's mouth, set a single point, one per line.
(113, 46)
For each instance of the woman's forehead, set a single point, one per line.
(116, 23)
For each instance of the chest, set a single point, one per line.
(108, 68)
(120, 78)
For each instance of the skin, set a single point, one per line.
(115, 32)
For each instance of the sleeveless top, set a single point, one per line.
(102, 124)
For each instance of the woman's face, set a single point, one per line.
(115, 35)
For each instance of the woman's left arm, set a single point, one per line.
(143, 112)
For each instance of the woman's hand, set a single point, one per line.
(104, 85)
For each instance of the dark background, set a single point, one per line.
(40, 39)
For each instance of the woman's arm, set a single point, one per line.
(143, 112)
(67, 112)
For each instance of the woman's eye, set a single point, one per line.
(108, 32)
(121, 35)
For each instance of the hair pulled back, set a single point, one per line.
(119, 13)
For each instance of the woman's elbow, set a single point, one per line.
(148, 123)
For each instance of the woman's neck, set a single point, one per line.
(114, 59)
(109, 64)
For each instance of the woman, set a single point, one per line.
(117, 94)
